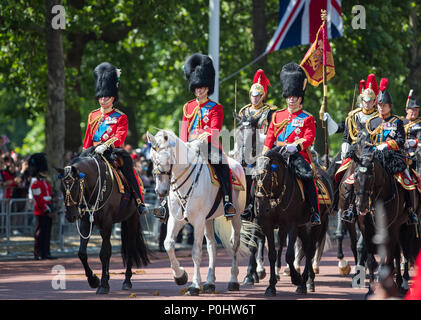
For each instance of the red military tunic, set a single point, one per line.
(201, 118)
(110, 128)
(41, 192)
(298, 128)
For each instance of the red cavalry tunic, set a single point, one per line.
(41, 191)
(201, 118)
(110, 128)
(298, 128)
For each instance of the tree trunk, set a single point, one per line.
(414, 65)
(259, 31)
(55, 116)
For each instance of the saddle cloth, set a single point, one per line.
(236, 183)
(408, 183)
(121, 179)
(322, 193)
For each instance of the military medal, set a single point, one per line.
(297, 131)
(205, 119)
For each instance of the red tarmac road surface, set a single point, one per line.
(29, 279)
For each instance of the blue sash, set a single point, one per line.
(290, 128)
(386, 132)
(104, 126)
(208, 106)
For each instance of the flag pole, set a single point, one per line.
(323, 109)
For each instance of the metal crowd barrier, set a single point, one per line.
(18, 224)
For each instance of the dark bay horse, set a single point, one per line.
(374, 181)
(280, 204)
(93, 198)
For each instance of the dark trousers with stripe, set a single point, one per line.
(42, 236)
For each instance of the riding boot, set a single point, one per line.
(161, 212)
(349, 214)
(133, 180)
(311, 194)
(224, 176)
(248, 213)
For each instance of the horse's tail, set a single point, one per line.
(223, 229)
(133, 246)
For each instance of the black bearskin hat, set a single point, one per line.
(106, 78)
(293, 80)
(37, 164)
(200, 72)
(384, 95)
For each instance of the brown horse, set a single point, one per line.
(279, 204)
(92, 196)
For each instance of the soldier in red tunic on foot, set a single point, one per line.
(295, 129)
(41, 192)
(107, 128)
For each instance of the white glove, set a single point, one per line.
(101, 148)
(332, 126)
(382, 146)
(344, 149)
(291, 148)
(410, 143)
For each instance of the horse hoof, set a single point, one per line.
(233, 286)
(278, 277)
(255, 278)
(311, 287)
(103, 290)
(93, 282)
(345, 270)
(296, 280)
(248, 281)
(261, 274)
(301, 290)
(208, 288)
(270, 292)
(316, 270)
(286, 272)
(127, 285)
(192, 291)
(182, 280)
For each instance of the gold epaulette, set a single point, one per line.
(272, 107)
(242, 109)
(119, 111)
(307, 113)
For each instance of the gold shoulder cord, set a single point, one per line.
(409, 126)
(190, 116)
(279, 126)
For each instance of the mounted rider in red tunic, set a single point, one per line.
(295, 129)
(202, 122)
(107, 129)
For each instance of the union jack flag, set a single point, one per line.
(299, 21)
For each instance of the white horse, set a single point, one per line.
(182, 175)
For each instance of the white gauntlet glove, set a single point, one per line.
(291, 148)
(382, 146)
(101, 148)
(344, 149)
(411, 143)
(332, 126)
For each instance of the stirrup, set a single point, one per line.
(229, 210)
(412, 218)
(160, 212)
(315, 219)
(348, 216)
(141, 207)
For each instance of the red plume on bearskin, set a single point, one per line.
(372, 83)
(362, 86)
(260, 77)
(383, 84)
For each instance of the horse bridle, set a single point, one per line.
(68, 200)
(274, 201)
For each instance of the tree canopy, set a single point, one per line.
(150, 41)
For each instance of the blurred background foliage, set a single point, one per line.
(150, 41)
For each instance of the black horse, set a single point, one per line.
(280, 204)
(374, 181)
(94, 198)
